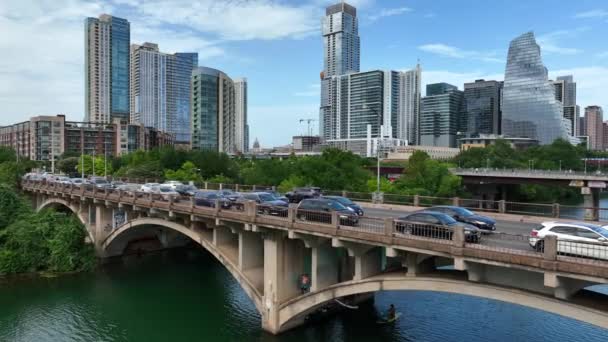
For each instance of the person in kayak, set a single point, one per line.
(391, 313)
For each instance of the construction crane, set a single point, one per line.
(308, 121)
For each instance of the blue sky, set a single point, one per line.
(277, 45)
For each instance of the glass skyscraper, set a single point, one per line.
(409, 105)
(441, 115)
(530, 109)
(107, 43)
(340, 29)
(214, 122)
(160, 89)
(482, 107)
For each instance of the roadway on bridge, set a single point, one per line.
(502, 226)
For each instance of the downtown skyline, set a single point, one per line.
(280, 52)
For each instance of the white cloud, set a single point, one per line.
(289, 115)
(454, 52)
(596, 13)
(389, 12)
(235, 19)
(549, 42)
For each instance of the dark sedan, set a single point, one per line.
(229, 194)
(320, 210)
(347, 203)
(435, 225)
(466, 216)
(208, 198)
(186, 189)
(266, 203)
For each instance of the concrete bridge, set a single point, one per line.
(267, 253)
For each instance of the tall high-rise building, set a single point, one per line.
(240, 113)
(409, 105)
(594, 119)
(107, 41)
(340, 40)
(482, 107)
(362, 108)
(341, 45)
(565, 92)
(441, 115)
(530, 109)
(214, 123)
(160, 89)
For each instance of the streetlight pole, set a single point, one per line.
(94, 150)
(105, 160)
(52, 150)
(488, 163)
(82, 158)
(560, 166)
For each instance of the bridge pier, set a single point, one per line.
(591, 202)
(564, 287)
(325, 266)
(418, 264)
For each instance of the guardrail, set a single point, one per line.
(498, 247)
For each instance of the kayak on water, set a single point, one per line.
(387, 321)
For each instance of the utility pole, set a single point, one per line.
(52, 150)
(82, 157)
(94, 150)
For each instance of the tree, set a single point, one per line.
(68, 165)
(186, 173)
(424, 176)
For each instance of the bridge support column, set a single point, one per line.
(283, 263)
(418, 263)
(563, 287)
(221, 236)
(324, 266)
(591, 201)
(251, 251)
(103, 225)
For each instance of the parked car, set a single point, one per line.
(464, 215)
(580, 239)
(267, 203)
(278, 196)
(166, 192)
(321, 209)
(186, 189)
(299, 194)
(77, 181)
(436, 225)
(229, 194)
(117, 183)
(347, 203)
(63, 180)
(99, 182)
(173, 184)
(148, 187)
(208, 198)
(133, 190)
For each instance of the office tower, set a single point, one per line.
(582, 126)
(605, 135)
(160, 89)
(530, 109)
(441, 113)
(409, 105)
(594, 118)
(482, 107)
(340, 30)
(362, 108)
(240, 113)
(107, 41)
(565, 92)
(214, 124)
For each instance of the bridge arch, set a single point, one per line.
(58, 203)
(233, 268)
(293, 311)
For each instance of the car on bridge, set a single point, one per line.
(267, 204)
(208, 198)
(172, 184)
(77, 181)
(147, 187)
(132, 190)
(186, 190)
(347, 202)
(99, 182)
(321, 209)
(435, 225)
(229, 194)
(299, 194)
(466, 216)
(576, 239)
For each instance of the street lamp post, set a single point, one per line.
(560, 166)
